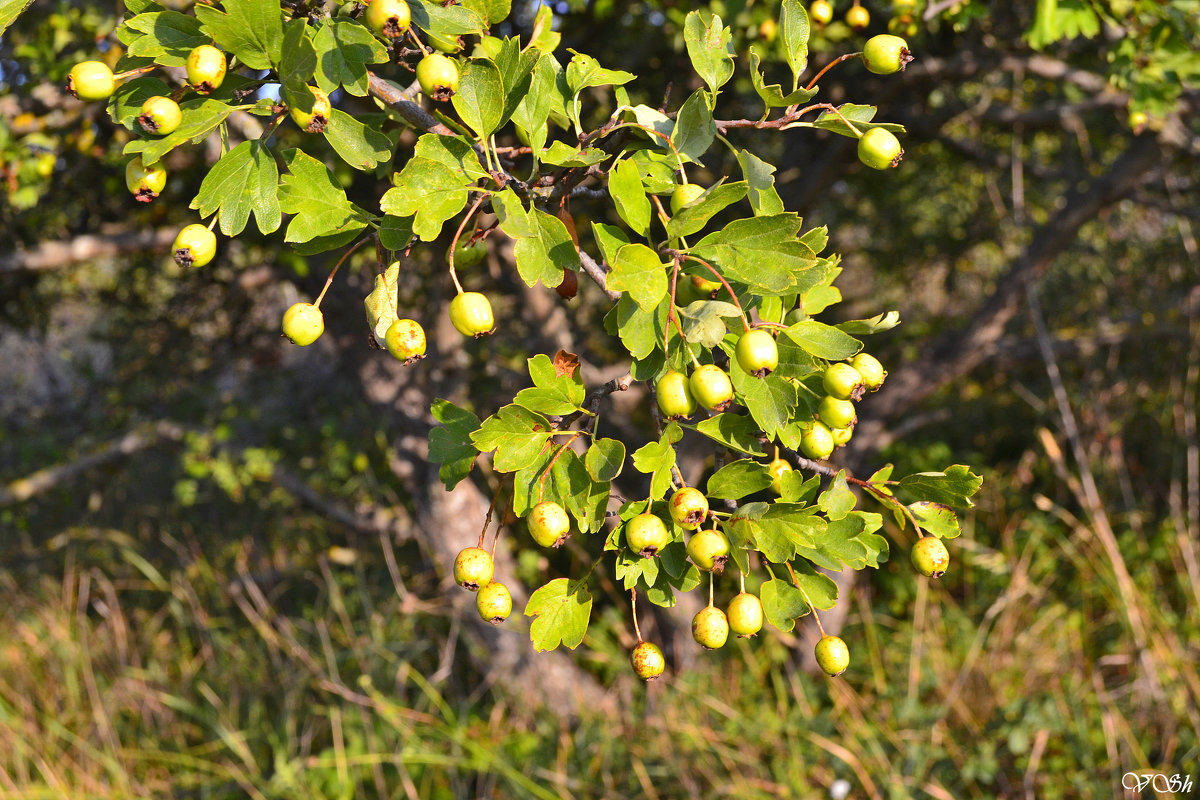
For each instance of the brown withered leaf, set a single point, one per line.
(565, 363)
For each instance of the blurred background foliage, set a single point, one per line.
(214, 587)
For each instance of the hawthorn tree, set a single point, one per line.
(714, 291)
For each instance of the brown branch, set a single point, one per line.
(597, 273)
(402, 103)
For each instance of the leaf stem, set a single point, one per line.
(336, 267)
(830, 66)
(458, 233)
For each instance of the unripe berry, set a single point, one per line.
(841, 436)
(832, 655)
(473, 569)
(194, 246)
(160, 115)
(745, 614)
(817, 441)
(648, 661)
(405, 339)
(757, 352)
(777, 469)
(880, 149)
(471, 314)
(468, 255)
(388, 18)
(873, 373)
(674, 396)
(842, 381)
(689, 508)
(494, 603)
(206, 68)
(835, 412)
(444, 44)
(91, 80)
(820, 12)
(709, 550)
(646, 534)
(885, 54)
(706, 287)
(710, 628)
(438, 76)
(303, 323)
(930, 557)
(684, 193)
(317, 119)
(548, 524)
(858, 17)
(145, 181)
(711, 387)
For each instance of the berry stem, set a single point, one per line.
(796, 583)
(487, 520)
(671, 313)
(542, 480)
(711, 580)
(212, 223)
(133, 73)
(457, 234)
(412, 34)
(633, 611)
(830, 66)
(329, 280)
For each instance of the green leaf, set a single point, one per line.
(823, 341)
(694, 127)
(772, 95)
(450, 445)
(782, 603)
(534, 109)
(703, 321)
(518, 436)
(361, 146)
(447, 19)
(860, 115)
(381, 303)
(561, 612)
(820, 588)
(640, 331)
(544, 256)
(200, 118)
(794, 31)
(639, 271)
(954, 487)
(395, 233)
(492, 11)
(479, 100)
(344, 48)
(251, 29)
(657, 458)
(454, 153)
(170, 37)
(837, 501)
(516, 71)
(710, 48)
(244, 180)
(771, 401)
(738, 479)
(734, 431)
(935, 518)
(837, 546)
(881, 322)
(584, 71)
(551, 394)
(696, 214)
(10, 10)
(605, 458)
(311, 192)
(763, 253)
(777, 530)
(561, 154)
(298, 59)
(760, 181)
(428, 191)
(629, 196)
